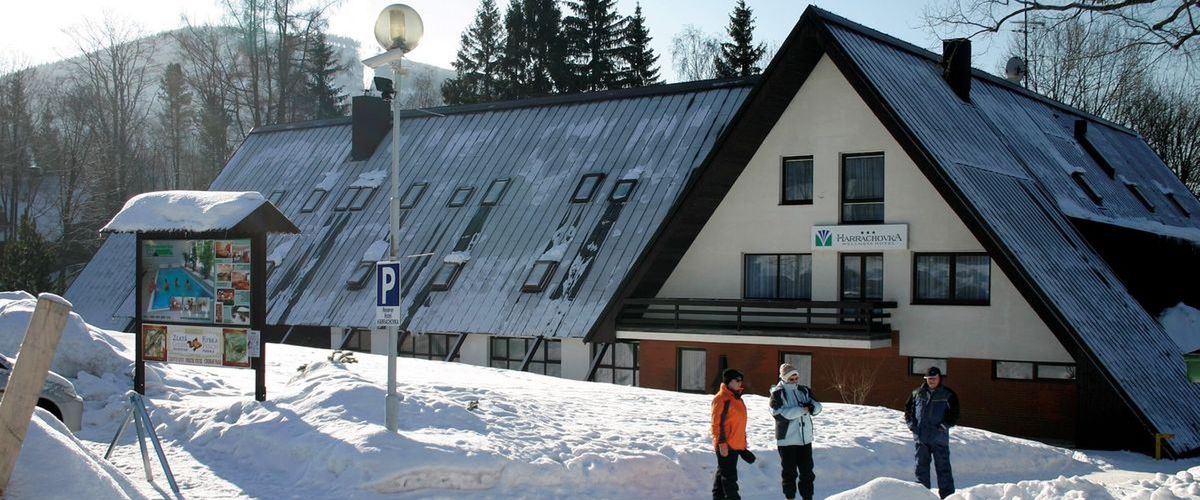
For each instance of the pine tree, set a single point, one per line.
(740, 56)
(532, 62)
(594, 36)
(325, 98)
(478, 61)
(640, 61)
(175, 118)
(26, 263)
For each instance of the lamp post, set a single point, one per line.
(398, 29)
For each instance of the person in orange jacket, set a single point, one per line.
(729, 434)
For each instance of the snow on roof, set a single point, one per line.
(460, 257)
(1182, 323)
(280, 251)
(372, 179)
(195, 211)
(1072, 209)
(329, 180)
(376, 252)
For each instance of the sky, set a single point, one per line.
(37, 32)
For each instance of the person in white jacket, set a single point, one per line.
(793, 406)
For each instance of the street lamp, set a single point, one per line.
(398, 29)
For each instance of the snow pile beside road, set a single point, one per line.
(82, 347)
(53, 464)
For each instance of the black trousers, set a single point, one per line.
(725, 481)
(797, 467)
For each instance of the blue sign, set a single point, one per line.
(387, 284)
(387, 294)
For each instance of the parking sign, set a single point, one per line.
(387, 294)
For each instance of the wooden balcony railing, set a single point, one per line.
(780, 317)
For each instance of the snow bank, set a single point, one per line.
(54, 464)
(1182, 323)
(184, 211)
(82, 347)
(889, 488)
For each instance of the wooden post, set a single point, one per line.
(28, 375)
(1158, 442)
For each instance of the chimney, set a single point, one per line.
(370, 120)
(956, 66)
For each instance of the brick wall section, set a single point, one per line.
(1022, 408)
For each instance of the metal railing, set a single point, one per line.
(786, 316)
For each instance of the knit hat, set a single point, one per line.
(787, 370)
(730, 374)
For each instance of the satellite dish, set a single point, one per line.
(398, 27)
(1015, 69)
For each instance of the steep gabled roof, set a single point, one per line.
(655, 136)
(1004, 162)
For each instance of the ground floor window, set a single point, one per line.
(690, 370)
(619, 364)
(359, 340)
(428, 346)
(802, 362)
(508, 352)
(1026, 370)
(921, 366)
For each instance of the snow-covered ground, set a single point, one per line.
(489, 433)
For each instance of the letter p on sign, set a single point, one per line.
(387, 294)
(387, 280)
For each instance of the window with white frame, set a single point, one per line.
(691, 370)
(803, 363)
(862, 188)
(921, 366)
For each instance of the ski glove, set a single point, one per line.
(747, 456)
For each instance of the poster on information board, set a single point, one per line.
(203, 282)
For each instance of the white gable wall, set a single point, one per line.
(825, 119)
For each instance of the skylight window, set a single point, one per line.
(360, 276)
(344, 201)
(1178, 206)
(622, 190)
(461, 196)
(539, 276)
(495, 192)
(413, 195)
(1087, 188)
(313, 201)
(1137, 193)
(276, 197)
(586, 189)
(361, 199)
(446, 275)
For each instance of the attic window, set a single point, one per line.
(313, 201)
(461, 196)
(360, 276)
(1087, 189)
(413, 195)
(361, 199)
(539, 276)
(1137, 193)
(344, 201)
(446, 275)
(622, 190)
(495, 191)
(276, 197)
(1178, 206)
(587, 188)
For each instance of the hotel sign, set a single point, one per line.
(856, 237)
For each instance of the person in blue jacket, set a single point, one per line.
(930, 412)
(793, 406)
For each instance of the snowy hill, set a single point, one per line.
(490, 433)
